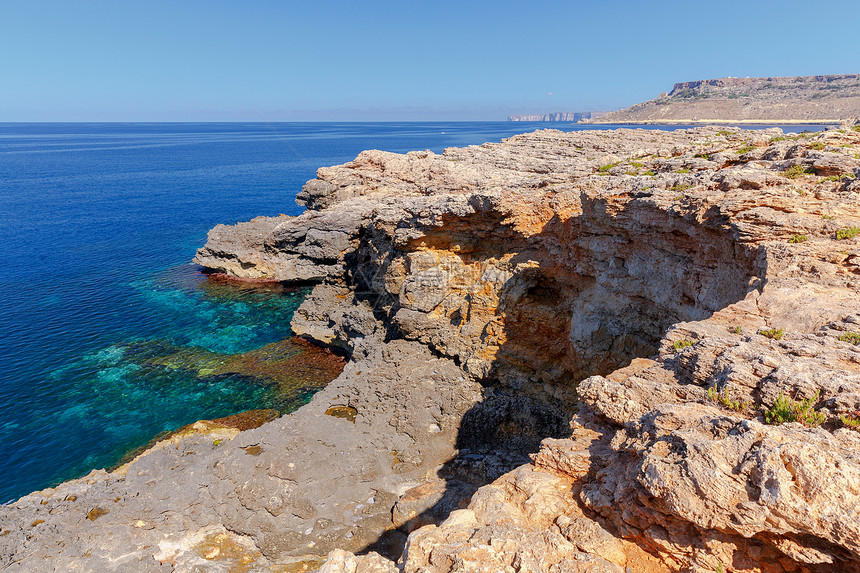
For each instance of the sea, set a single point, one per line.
(109, 335)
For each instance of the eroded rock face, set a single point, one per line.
(826, 99)
(604, 293)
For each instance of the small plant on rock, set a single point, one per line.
(745, 149)
(772, 333)
(847, 233)
(735, 330)
(796, 171)
(607, 167)
(786, 410)
(679, 345)
(851, 420)
(797, 239)
(817, 145)
(682, 170)
(723, 398)
(852, 337)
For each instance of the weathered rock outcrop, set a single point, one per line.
(624, 305)
(795, 99)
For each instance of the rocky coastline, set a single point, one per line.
(567, 352)
(823, 99)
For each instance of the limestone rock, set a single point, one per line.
(629, 307)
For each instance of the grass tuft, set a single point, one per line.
(607, 167)
(724, 399)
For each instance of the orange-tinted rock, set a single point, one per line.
(346, 412)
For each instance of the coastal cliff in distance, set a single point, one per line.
(574, 116)
(800, 99)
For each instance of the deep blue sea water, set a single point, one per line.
(98, 224)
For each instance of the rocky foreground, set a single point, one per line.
(596, 351)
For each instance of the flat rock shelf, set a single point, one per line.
(613, 351)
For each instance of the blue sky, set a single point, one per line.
(324, 60)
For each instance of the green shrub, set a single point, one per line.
(682, 170)
(735, 330)
(679, 345)
(724, 132)
(852, 337)
(817, 145)
(851, 420)
(796, 171)
(723, 398)
(649, 172)
(772, 333)
(797, 239)
(847, 233)
(785, 410)
(607, 167)
(745, 149)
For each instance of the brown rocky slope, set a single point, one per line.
(629, 306)
(795, 99)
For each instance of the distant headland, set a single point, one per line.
(785, 100)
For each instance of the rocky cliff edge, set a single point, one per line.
(596, 351)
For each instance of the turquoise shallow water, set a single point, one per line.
(100, 309)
